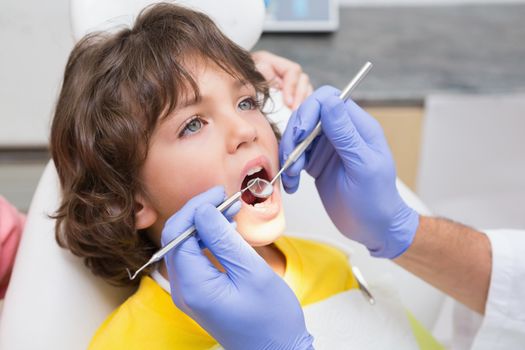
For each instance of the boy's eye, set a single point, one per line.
(191, 127)
(248, 104)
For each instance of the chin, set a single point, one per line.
(262, 223)
(260, 233)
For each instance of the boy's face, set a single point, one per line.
(214, 141)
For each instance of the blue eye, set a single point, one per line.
(191, 127)
(248, 104)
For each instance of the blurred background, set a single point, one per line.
(448, 86)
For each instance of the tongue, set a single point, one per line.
(248, 197)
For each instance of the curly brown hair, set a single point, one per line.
(116, 88)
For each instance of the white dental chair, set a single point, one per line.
(54, 302)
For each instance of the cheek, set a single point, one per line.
(173, 178)
(267, 136)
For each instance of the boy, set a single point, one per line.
(148, 118)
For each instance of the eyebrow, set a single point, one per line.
(181, 104)
(242, 83)
(197, 98)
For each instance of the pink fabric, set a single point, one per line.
(11, 226)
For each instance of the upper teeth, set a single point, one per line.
(254, 170)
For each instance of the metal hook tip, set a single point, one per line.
(132, 277)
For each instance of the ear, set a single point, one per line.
(145, 213)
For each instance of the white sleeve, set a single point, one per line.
(503, 326)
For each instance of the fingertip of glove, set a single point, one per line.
(214, 195)
(219, 191)
(333, 103)
(327, 90)
(168, 231)
(290, 184)
(233, 209)
(335, 116)
(291, 190)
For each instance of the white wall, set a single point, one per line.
(35, 41)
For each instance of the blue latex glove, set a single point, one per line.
(354, 172)
(247, 307)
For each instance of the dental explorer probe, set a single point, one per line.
(300, 148)
(183, 236)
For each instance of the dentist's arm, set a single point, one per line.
(355, 176)
(248, 306)
(452, 257)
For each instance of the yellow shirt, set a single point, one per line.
(150, 320)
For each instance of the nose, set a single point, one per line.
(240, 132)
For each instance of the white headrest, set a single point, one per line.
(52, 302)
(240, 20)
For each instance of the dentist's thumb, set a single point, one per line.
(226, 244)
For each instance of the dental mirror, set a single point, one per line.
(260, 188)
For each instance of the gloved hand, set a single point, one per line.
(354, 172)
(248, 306)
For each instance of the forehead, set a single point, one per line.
(206, 75)
(198, 66)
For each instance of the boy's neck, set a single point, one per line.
(270, 253)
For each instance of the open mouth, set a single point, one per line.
(247, 196)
